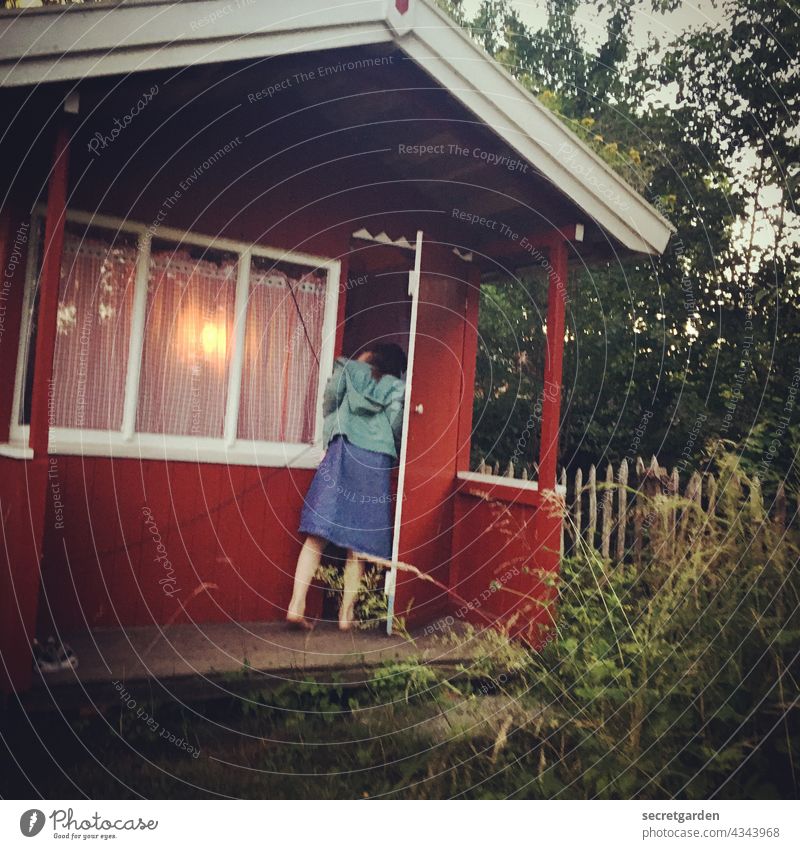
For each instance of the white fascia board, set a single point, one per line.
(60, 43)
(513, 113)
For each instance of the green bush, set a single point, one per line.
(679, 677)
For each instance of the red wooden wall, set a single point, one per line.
(505, 550)
(437, 403)
(229, 537)
(22, 498)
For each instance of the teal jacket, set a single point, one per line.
(368, 412)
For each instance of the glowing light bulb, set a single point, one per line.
(213, 339)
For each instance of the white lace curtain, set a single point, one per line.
(187, 346)
(281, 374)
(187, 343)
(93, 333)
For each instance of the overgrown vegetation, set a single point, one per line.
(675, 679)
(680, 678)
(371, 604)
(704, 126)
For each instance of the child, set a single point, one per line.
(349, 502)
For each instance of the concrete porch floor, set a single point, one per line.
(193, 657)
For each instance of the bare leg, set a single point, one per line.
(353, 572)
(307, 565)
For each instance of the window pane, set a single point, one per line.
(98, 273)
(188, 324)
(283, 338)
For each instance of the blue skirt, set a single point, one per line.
(349, 502)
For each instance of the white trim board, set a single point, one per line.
(171, 448)
(88, 40)
(500, 480)
(15, 451)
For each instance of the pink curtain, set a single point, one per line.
(188, 325)
(93, 332)
(280, 375)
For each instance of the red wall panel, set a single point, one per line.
(432, 451)
(21, 514)
(15, 232)
(505, 547)
(229, 537)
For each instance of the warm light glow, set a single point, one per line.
(213, 339)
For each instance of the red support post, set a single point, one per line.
(551, 402)
(48, 291)
(468, 366)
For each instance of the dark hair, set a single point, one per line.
(387, 358)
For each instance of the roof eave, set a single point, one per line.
(70, 43)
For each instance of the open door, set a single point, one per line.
(428, 458)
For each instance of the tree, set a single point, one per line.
(706, 131)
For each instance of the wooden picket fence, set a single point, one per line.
(613, 513)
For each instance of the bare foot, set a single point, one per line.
(346, 622)
(299, 622)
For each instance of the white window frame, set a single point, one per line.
(127, 442)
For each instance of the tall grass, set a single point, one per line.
(679, 677)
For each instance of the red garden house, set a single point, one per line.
(203, 204)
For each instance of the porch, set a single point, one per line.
(204, 660)
(159, 426)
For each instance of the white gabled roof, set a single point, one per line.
(61, 43)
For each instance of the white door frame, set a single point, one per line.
(391, 574)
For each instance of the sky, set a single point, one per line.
(691, 15)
